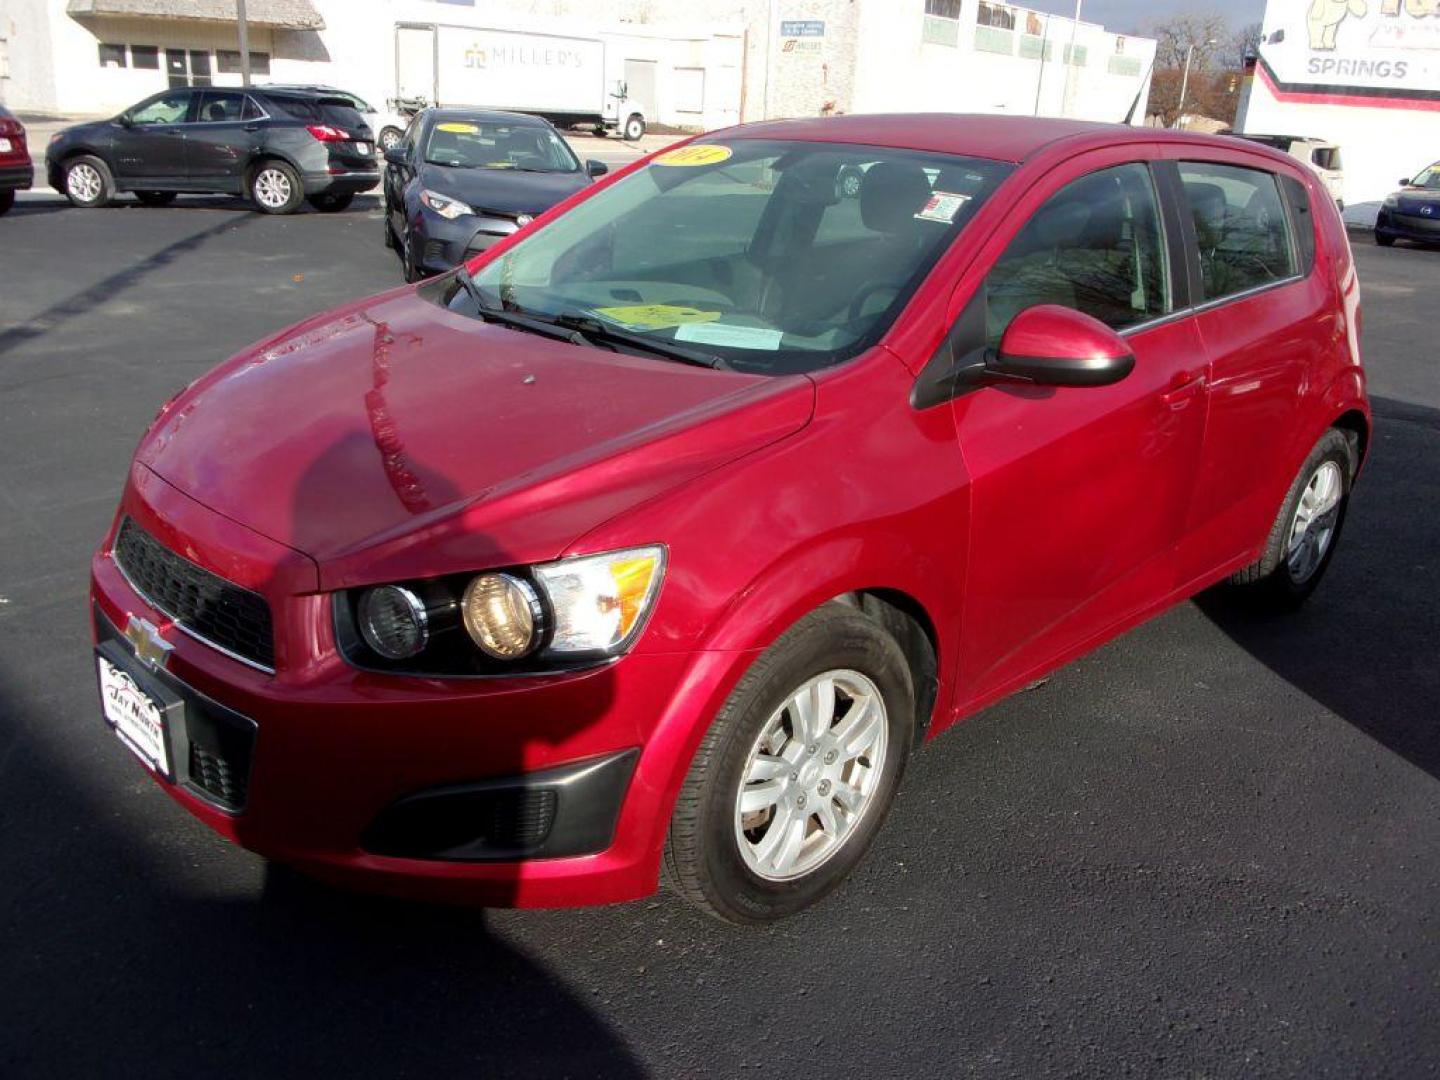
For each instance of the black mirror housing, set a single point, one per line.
(596, 168)
(397, 155)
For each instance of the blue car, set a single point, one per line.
(463, 179)
(1413, 212)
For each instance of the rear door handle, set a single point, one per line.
(1183, 387)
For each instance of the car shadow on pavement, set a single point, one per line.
(1365, 644)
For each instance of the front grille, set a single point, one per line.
(234, 619)
(223, 779)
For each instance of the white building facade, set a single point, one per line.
(701, 67)
(1363, 75)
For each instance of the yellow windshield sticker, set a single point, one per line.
(694, 155)
(458, 129)
(654, 316)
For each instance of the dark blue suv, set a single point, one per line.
(276, 147)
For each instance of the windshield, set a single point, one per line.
(1429, 177)
(774, 256)
(469, 144)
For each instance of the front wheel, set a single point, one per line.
(634, 127)
(390, 138)
(88, 183)
(795, 776)
(275, 188)
(331, 204)
(1303, 538)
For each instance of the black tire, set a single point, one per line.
(1384, 239)
(408, 266)
(703, 859)
(1281, 578)
(385, 225)
(155, 198)
(88, 183)
(7, 200)
(331, 204)
(634, 128)
(275, 187)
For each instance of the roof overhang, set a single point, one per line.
(273, 14)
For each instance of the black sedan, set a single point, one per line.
(16, 172)
(1413, 212)
(277, 148)
(462, 179)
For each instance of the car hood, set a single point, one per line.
(503, 191)
(1412, 199)
(395, 438)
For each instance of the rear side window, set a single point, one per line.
(1240, 226)
(1299, 199)
(333, 111)
(1096, 246)
(221, 106)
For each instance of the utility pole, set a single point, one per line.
(1040, 78)
(244, 42)
(1069, 59)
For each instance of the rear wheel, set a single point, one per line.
(390, 138)
(796, 774)
(7, 200)
(155, 198)
(331, 204)
(1303, 538)
(275, 188)
(634, 127)
(88, 183)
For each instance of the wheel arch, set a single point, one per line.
(260, 157)
(1355, 425)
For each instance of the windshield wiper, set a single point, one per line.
(593, 328)
(520, 320)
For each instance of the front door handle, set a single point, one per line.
(1184, 386)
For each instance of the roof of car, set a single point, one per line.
(491, 116)
(984, 135)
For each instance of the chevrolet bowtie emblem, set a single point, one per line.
(145, 639)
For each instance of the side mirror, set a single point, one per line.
(1405, 181)
(125, 120)
(596, 168)
(1050, 345)
(397, 155)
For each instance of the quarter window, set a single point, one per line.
(1240, 227)
(1096, 246)
(1299, 200)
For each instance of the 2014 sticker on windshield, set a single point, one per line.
(708, 154)
(654, 316)
(942, 206)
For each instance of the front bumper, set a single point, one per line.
(350, 771)
(1421, 228)
(16, 177)
(442, 244)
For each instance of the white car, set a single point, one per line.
(1322, 156)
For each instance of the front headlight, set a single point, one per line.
(1391, 201)
(444, 205)
(534, 618)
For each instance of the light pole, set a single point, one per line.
(1185, 81)
(244, 42)
(1069, 59)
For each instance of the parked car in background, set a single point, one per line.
(388, 126)
(663, 535)
(1320, 155)
(278, 147)
(1413, 212)
(16, 171)
(462, 179)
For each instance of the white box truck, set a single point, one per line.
(567, 80)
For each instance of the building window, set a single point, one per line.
(227, 62)
(689, 88)
(942, 22)
(145, 56)
(996, 15)
(112, 56)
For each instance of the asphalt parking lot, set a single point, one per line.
(1210, 849)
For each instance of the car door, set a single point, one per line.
(1079, 495)
(398, 177)
(222, 139)
(1256, 300)
(149, 145)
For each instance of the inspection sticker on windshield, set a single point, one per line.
(458, 129)
(737, 337)
(942, 206)
(694, 155)
(654, 316)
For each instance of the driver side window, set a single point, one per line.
(167, 109)
(1096, 246)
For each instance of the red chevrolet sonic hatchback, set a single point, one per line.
(661, 534)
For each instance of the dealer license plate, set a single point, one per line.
(136, 717)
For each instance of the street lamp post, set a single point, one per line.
(244, 42)
(1067, 96)
(1185, 81)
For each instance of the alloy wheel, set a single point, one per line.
(83, 182)
(811, 775)
(272, 188)
(1316, 515)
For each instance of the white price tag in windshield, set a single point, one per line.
(737, 337)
